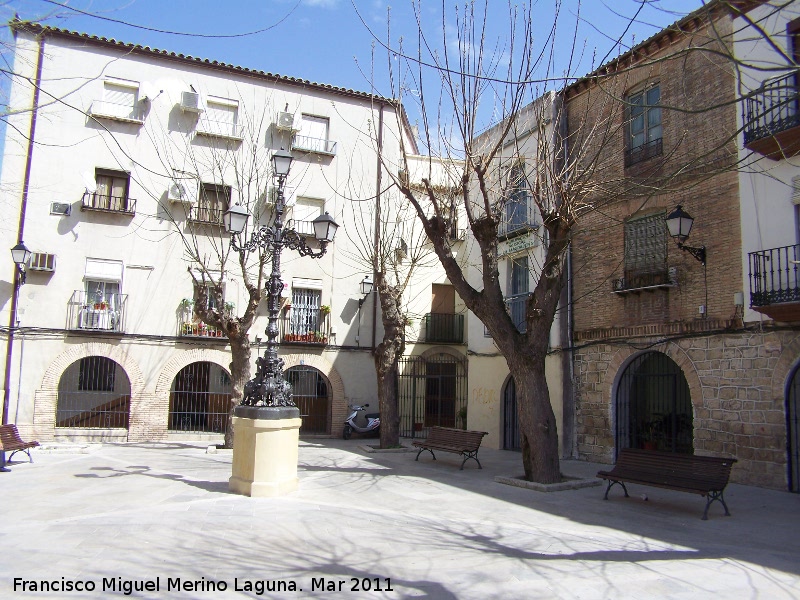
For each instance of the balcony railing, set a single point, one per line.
(444, 328)
(774, 276)
(310, 144)
(519, 216)
(636, 282)
(117, 112)
(206, 216)
(220, 129)
(301, 227)
(515, 305)
(107, 203)
(87, 313)
(643, 152)
(771, 109)
(304, 326)
(199, 330)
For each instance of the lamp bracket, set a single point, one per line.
(698, 252)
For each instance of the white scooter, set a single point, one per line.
(373, 422)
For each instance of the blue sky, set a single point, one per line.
(330, 41)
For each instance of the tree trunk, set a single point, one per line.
(537, 422)
(240, 374)
(386, 370)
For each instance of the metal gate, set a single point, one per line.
(431, 391)
(653, 406)
(93, 392)
(510, 419)
(793, 431)
(311, 393)
(200, 399)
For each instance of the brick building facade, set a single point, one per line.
(664, 358)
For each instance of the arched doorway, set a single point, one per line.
(200, 398)
(93, 392)
(793, 430)
(311, 393)
(653, 406)
(510, 420)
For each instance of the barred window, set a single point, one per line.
(96, 374)
(645, 245)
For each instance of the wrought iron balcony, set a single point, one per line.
(106, 203)
(643, 152)
(206, 216)
(219, 129)
(443, 328)
(774, 282)
(310, 144)
(87, 313)
(302, 325)
(772, 118)
(117, 112)
(519, 217)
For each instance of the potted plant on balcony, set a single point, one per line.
(324, 309)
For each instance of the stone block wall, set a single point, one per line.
(737, 383)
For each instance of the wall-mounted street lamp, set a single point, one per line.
(366, 289)
(268, 387)
(679, 224)
(20, 255)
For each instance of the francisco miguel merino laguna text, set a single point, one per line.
(129, 586)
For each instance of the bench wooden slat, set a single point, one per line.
(10, 441)
(448, 439)
(704, 475)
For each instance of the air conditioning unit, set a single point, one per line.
(190, 102)
(285, 122)
(180, 191)
(60, 208)
(619, 284)
(42, 261)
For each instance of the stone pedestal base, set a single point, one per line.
(265, 445)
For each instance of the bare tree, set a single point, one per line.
(567, 173)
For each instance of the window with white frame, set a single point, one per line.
(313, 135)
(120, 101)
(220, 118)
(304, 212)
(516, 208)
(112, 191)
(518, 287)
(211, 302)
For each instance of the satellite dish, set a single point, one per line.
(89, 182)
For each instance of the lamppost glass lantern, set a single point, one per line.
(325, 228)
(20, 254)
(235, 219)
(281, 163)
(679, 224)
(366, 285)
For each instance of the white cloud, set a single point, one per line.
(322, 3)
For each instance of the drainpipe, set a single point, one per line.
(377, 227)
(12, 320)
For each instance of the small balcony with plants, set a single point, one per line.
(303, 325)
(87, 312)
(774, 282)
(772, 118)
(190, 325)
(443, 328)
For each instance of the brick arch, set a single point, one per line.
(430, 352)
(46, 397)
(338, 402)
(187, 357)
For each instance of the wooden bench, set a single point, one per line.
(704, 475)
(447, 439)
(11, 442)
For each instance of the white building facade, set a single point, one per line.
(134, 156)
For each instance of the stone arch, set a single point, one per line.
(625, 356)
(787, 363)
(338, 401)
(46, 397)
(442, 350)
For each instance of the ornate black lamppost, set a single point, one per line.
(268, 387)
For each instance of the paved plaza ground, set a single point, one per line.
(161, 515)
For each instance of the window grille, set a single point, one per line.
(96, 374)
(645, 245)
(305, 316)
